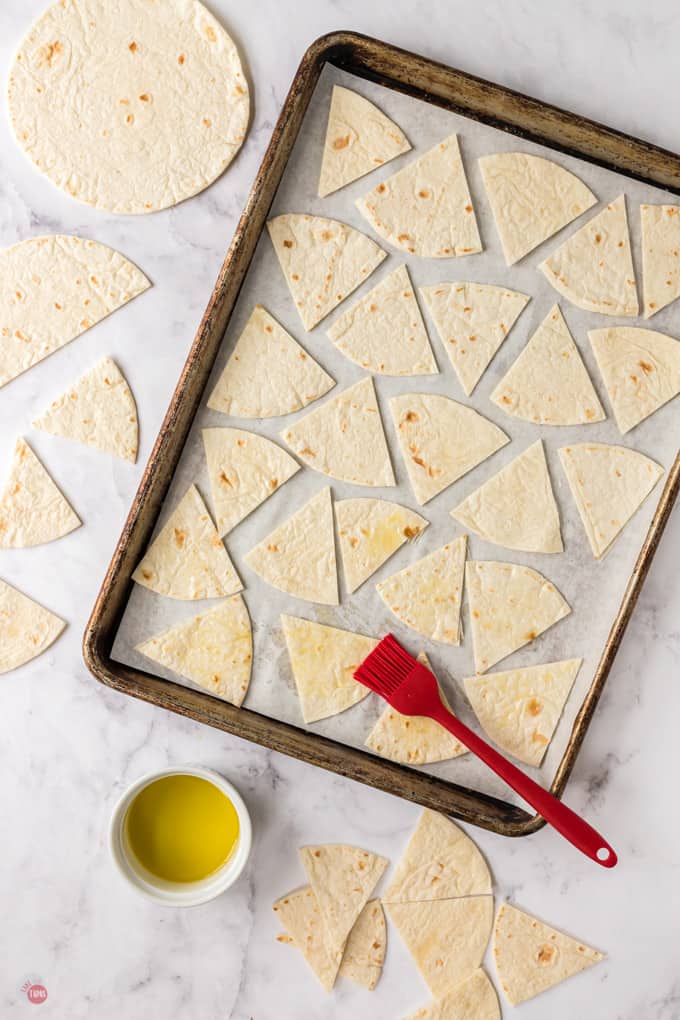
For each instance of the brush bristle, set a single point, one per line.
(386, 667)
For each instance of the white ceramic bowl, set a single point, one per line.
(179, 894)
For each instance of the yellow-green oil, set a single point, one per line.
(181, 828)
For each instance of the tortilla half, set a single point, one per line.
(441, 440)
(299, 914)
(129, 107)
(425, 208)
(268, 373)
(519, 709)
(54, 288)
(98, 410)
(609, 484)
(244, 469)
(548, 384)
(323, 660)
(27, 629)
(298, 557)
(516, 507)
(510, 605)
(660, 242)
(344, 437)
(531, 956)
(359, 138)
(473, 320)
(364, 955)
(531, 198)
(369, 532)
(214, 650)
(186, 559)
(640, 368)
(473, 999)
(322, 260)
(32, 509)
(594, 267)
(427, 595)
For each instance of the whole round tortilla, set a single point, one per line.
(130, 106)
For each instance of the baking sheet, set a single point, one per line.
(593, 590)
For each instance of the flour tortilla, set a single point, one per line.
(640, 368)
(660, 243)
(130, 107)
(323, 660)
(473, 999)
(98, 410)
(510, 605)
(609, 484)
(244, 470)
(343, 878)
(473, 320)
(516, 507)
(187, 559)
(322, 260)
(531, 199)
(364, 954)
(344, 438)
(531, 956)
(268, 373)
(441, 862)
(446, 938)
(32, 509)
(427, 595)
(594, 267)
(384, 331)
(298, 557)
(548, 384)
(214, 650)
(359, 138)
(519, 709)
(441, 440)
(299, 914)
(369, 532)
(54, 288)
(26, 628)
(413, 739)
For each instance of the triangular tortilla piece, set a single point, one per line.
(441, 440)
(26, 628)
(384, 331)
(244, 470)
(187, 559)
(446, 938)
(214, 650)
(427, 595)
(298, 557)
(359, 138)
(441, 862)
(413, 739)
(510, 605)
(369, 532)
(660, 243)
(473, 999)
(548, 384)
(609, 484)
(594, 267)
(364, 954)
(531, 956)
(343, 878)
(516, 508)
(98, 410)
(640, 368)
(519, 709)
(322, 260)
(531, 198)
(323, 660)
(54, 288)
(268, 373)
(473, 320)
(344, 438)
(32, 509)
(299, 914)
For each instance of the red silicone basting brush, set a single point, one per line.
(411, 689)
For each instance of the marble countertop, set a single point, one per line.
(69, 746)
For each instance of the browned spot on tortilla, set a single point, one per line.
(287, 244)
(272, 547)
(530, 635)
(646, 367)
(130, 119)
(181, 58)
(210, 33)
(468, 208)
(180, 538)
(145, 97)
(545, 954)
(410, 532)
(590, 414)
(411, 416)
(534, 707)
(225, 480)
(273, 483)
(307, 451)
(381, 189)
(424, 193)
(48, 52)
(402, 238)
(133, 47)
(341, 143)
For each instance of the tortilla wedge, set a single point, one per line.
(364, 955)
(473, 999)
(660, 243)
(369, 532)
(299, 914)
(27, 629)
(32, 508)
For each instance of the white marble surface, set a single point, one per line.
(67, 746)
